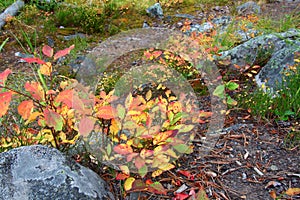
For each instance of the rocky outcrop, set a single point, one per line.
(39, 172)
(274, 51)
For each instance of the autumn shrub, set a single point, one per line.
(144, 132)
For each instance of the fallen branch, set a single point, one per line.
(12, 10)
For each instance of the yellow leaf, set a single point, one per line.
(46, 69)
(124, 169)
(293, 191)
(32, 117)
(148, 95)
(157, 173)
(166, 166)
(128, 183)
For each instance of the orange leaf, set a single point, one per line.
(47, 51)
(86, 125)
(4, 75)
(121, 176)
(205, 114)
(162, 136)
(5, 99)
(273, 194)
(293, 191)
(123, 149)
(25, 109)
(46, 69)
(35, 89)
(64, 52)
(106, 112)
(65, 97)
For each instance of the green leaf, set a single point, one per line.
(219, 91)
(176, 118)
(108, 149)
(186, 128)
(157, 188)
(54, 119)
(182, 148)
(231, 101)
(121, 111)
(232, 85)
(143, 171)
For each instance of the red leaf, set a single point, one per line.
(185, 173)
(33, 60)
(47, 51)
(123, 149)
(131, 156)
(157, 188)
(181, 196)
(64, 52)
(86, 125)
(121, 176)
(4, 75)
(106, 112)
(5, 99)
(149, 181)
(53, 119)
(35, 89)
(25, 109)
(65, 97)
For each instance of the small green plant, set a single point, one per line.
(283, 104)
(221, 92)
(292, 139)
(3, 43)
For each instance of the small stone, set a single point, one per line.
(155, 11)
(249, 7)
(146, 25)
(274, 168)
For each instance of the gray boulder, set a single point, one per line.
(155, 11)
(274, 51)
(249, 7)
(39, 172)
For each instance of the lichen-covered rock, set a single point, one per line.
(272, 74)
(39, 172)
(249, 7)
(155, 11)
(273, 51)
